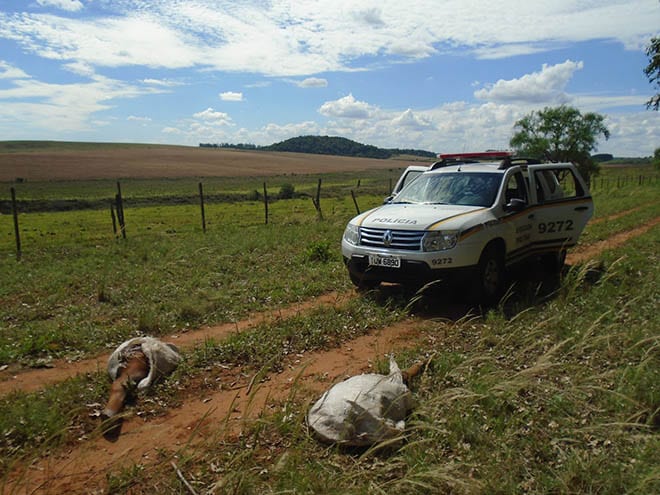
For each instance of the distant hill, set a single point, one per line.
(328, 145)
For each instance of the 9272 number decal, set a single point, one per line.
(556, 226)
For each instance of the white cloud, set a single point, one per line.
(8, 71)
(412, 121)
(546, 86)
(231, 96)
(313, 82)
(69, 5)
(289, 38)
(348, 108)
(167, 83)
(212, 117)
(134, 118)
(35, 104)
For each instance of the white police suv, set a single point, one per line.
(466, 219)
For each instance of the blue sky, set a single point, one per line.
(440, 75)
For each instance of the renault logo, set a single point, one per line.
(387, 238)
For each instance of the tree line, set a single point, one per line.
(327, 145)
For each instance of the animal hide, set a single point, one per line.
(363, 409)
(163, 358)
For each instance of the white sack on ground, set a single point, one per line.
(363, 409)
(163, 358)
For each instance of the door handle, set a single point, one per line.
(581, 208)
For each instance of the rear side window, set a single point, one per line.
(557, 184)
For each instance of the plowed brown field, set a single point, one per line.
(172, 162)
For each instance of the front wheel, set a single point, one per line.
(362, 283)
(491, 276)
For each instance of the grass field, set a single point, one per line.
(563, 396)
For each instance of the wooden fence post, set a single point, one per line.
(120, 211)
(14, 210)
(201, 203)
(317, 200)
(357, 208)
(114, 219)
(266, 203)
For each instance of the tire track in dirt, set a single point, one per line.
(620, 214)
(589, 251)
(29, 380)
(84, 466)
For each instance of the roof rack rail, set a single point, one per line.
(512, 161)
(445, 162)
(447, 159)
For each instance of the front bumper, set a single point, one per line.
(411, 272)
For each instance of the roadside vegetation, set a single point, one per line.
(562, 396)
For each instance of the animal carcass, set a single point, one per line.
(364, 409)
(137, 364)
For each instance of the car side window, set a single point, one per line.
(556, 184)
(515, 188)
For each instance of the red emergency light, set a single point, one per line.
(485, 155)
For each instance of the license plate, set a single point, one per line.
(385, 261)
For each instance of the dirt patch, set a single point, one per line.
(590, 251)
(172, 162)
(29, 380)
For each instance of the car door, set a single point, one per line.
(518, 221)
(564, 206)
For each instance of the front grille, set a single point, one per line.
(409, 240)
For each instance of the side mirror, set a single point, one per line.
(516, 204)
(388, 199)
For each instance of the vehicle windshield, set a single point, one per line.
(452, 188)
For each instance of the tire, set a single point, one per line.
(361, 283)
(491, 276)
(553, 263)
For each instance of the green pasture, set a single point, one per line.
(79, 286)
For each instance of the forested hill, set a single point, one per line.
(327, 145)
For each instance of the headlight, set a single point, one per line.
(439, 241)
(352, 234)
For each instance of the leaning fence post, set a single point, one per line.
(266, 203)
(357, 208)
(201, 203)
(14, 210)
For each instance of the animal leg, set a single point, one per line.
(135, 369)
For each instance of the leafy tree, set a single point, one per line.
(656, 159)
(561, 134)
(652, 71)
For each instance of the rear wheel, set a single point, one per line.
(491, 276)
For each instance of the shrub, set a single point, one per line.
(287, 191)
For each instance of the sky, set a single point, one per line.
(445, 76)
